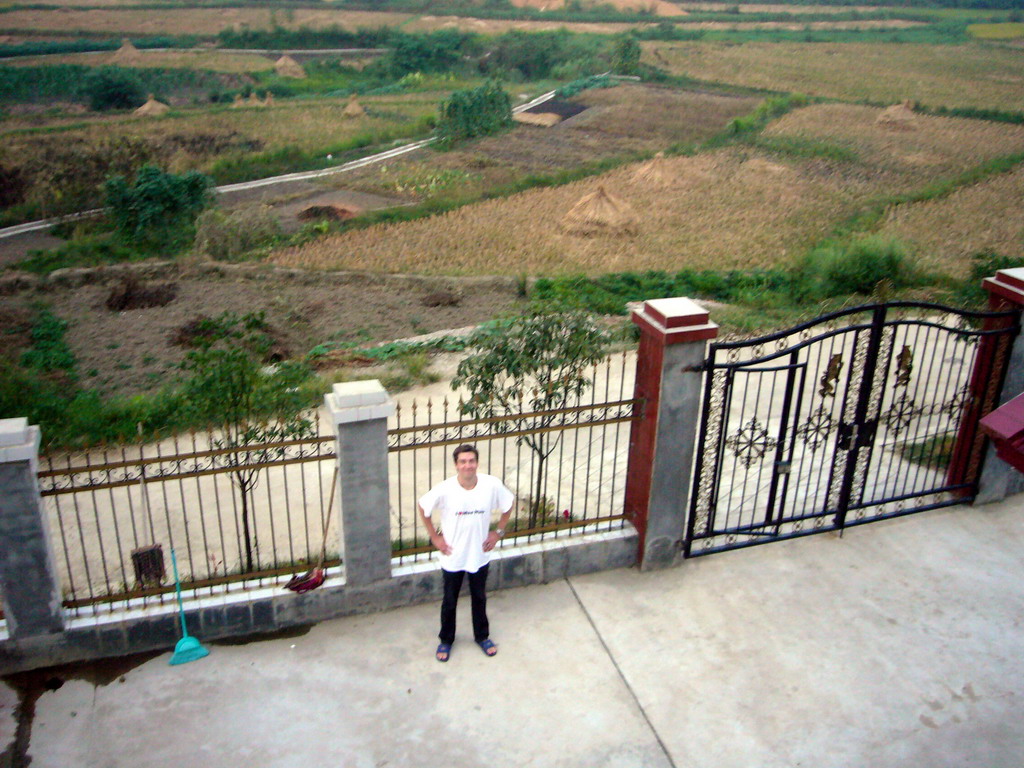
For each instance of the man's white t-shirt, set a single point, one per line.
(466, 518)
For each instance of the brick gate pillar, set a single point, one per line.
(673, 339)
(28, 576)
(998, 479)
(359, 411)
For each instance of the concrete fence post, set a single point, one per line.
(673, 340)
(28, 574)
(998, 479)
(359, 411)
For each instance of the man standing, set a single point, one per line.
(465, 503)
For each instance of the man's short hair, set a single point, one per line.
(465, 448)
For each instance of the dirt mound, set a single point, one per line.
(441, 299)
(899, 117)
(133, 294)
(600, 213)
(286, 66)
(327, 212)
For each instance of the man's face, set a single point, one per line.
(465, 465)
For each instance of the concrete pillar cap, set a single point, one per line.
(676, 320)
(359, 401)
(1008, 284)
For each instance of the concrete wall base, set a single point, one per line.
(273, 609)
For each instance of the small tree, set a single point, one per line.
(113, 88)
(534, 363)
(158, 209)
(246, 403)
(478, 112)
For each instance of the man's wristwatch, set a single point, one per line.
(500, 532)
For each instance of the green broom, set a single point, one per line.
(188, 648)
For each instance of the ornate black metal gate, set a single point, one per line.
(860, 415)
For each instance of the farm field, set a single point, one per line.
(210, 21)
(905, 156)
(731, 209)
(619, 122)
(952, 76)
(211, 61)
(981, 218)
(759, 194)
(200, 139)
(659, 7)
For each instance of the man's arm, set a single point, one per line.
(435, 538)
(493, 536)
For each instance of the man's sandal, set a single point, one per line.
(444, 648)
(488, 647)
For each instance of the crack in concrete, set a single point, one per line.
(622, 676)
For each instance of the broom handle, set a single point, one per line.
(177, 586)
(147, 514)
(327, 521)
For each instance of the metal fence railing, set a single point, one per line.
(566, 467)
(256, 513)
(115, 513)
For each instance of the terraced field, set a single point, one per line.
(952, 76)
(734, 208)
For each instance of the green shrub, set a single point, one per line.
(230, 234)
(157, 211)
(855, 267)
(477, 112)
(49, 352)
(113, 88)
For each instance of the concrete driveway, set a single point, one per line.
(898, 644)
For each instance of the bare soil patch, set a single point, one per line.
(135, 350)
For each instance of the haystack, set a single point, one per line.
(286, 66)
(654, 173)
(238, 102)
(126, 54)
(152, 108)
(268, 100)
(353, 108)
(898, 116)
(254, 100)
(600, 213)
(543, 119)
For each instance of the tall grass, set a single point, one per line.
(859, 266)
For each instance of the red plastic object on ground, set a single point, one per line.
(1005, 425)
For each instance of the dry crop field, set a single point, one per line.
(952, 76)
(722, 211)
(619, 121)
(947, 232)
(659, 7)
(196, 139)
(734, 208)
(777, 8)
(211, 61)
(209, 21)
(902, 158)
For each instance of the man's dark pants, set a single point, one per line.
(478, 596)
